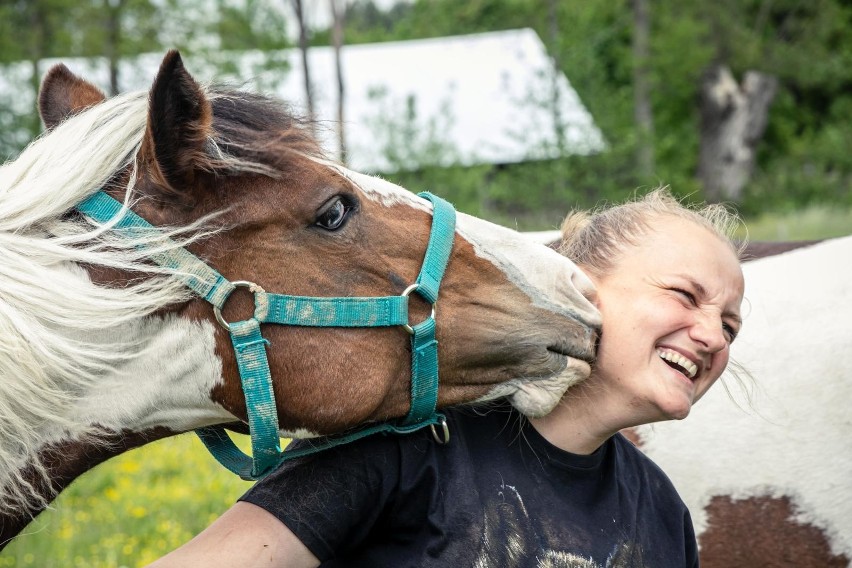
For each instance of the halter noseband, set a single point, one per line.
(250, 345)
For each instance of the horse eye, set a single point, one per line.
(335, 215)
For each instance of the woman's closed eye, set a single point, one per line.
(690, 297)
(730, 331)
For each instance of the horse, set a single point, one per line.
(765, 469)
(104, 350)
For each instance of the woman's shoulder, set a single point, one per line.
(642, 470)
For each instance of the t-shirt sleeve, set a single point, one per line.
(332, 500)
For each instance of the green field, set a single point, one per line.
(137, 507)
(130, 510)
(811, 223)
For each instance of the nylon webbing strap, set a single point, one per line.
(424, 373)
(441, 238)
(250, 349)
(331, 312)
(195, 274)
(424, 346)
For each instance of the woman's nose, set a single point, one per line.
(708, 331)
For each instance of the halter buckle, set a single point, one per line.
(406, 293)
(253, 288)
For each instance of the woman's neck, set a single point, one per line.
(585, 418)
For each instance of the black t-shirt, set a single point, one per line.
(498, 495)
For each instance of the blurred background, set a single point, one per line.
(515, 110)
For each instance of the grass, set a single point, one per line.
(139, 506)
(131, 510)
(811, 223)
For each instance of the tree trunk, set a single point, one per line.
(642, 111)
(303, 48)
(553, 32)
(113, 10)
(559, 167)
(733, 120)
(338, 13)
(38, 34)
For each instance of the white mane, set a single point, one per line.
(48, 304)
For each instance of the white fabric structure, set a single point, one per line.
(482, 98)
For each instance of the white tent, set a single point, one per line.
(483, 98)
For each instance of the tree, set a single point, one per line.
(338, 14)
(303, 49)
(733, 120)
(642, 112)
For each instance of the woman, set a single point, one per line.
(562, 490)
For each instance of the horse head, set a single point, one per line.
(241, 183)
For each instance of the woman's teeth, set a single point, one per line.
(686, 366)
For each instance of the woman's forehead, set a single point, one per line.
(682, 247)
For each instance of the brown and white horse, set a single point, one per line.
(768, 477)
(103, 351)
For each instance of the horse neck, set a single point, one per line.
(162, 389)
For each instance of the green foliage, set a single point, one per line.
(802, 160)
(807, 44)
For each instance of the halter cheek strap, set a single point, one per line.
(250, 345)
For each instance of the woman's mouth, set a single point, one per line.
(678, 362)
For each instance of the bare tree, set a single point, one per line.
(553, 32)
(303, 48)
(112, 11)
(642, 111)
(733, 119)
(338, 14)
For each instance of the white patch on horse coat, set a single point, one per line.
(796, 440)
(169, 384)
(551, 281)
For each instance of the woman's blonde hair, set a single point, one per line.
(595, 239)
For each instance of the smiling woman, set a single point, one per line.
(560, 490)
(670, 292)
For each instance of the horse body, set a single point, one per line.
(767, 479)
(104, 351)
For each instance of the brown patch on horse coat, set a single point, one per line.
(762, 532)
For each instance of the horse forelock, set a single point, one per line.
(255, 133)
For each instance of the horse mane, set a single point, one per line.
(50, 310)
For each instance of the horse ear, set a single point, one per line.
(62, 94)
(179, 121)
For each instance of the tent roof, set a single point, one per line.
(483, 98)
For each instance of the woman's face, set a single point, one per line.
(671, 308)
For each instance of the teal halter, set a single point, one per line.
(250, 345)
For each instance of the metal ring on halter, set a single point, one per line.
(253, 288)
(407, 292)
(442, 421)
